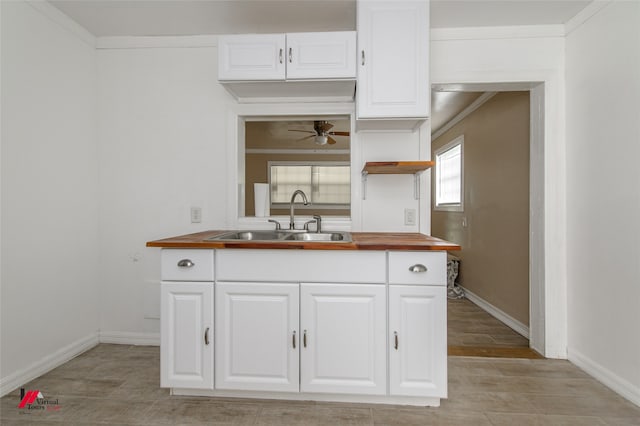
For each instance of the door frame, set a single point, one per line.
(547, 253)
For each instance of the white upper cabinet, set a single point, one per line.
(393, 59)
(295, 56)
(321, 55)
(251, 57)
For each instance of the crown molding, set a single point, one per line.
(62, 20)
(585, 14)
(505, 32)
(137, 42)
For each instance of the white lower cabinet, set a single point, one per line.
(418, 340)
(367, 326)
(343, 338)
(186, 341)
(257, 336)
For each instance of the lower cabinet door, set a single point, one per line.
(343, 329)
(418, 340)
(186, 324)
(257, 336)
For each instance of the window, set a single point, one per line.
(326, 184)
(449, 181)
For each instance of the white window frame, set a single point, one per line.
(311, 205)
(451, 207)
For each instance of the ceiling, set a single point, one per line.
(199, 17)
(105, 18)
(285, 135)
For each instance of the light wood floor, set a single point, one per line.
(120, 385)
(473, 332)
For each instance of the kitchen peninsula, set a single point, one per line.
(360, 320)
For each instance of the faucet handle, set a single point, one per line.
(278, 227)
(318, 220)
(309, 222)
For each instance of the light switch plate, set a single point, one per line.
(196, 214)
(410, 217)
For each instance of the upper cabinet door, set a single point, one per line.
(393, 59)
(251, 57)
(321, 55)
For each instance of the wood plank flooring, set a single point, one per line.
(473, 332)
(120, 385)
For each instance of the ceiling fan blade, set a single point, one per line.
(338, 133)
(330, 140)
(305, 138)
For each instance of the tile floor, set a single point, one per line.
(119, 385)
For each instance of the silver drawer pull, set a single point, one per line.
(294, 339)
(395, 340)
(186, 263)
(418, 267)
(206, 336)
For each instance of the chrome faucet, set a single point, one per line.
(292, 224)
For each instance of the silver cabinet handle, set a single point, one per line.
(186, 263)
(290, 55)
(304, 338)
(363, 57)
(395, 340)
(280, 55)
(206, 336)
(294, 340)
(418, 268)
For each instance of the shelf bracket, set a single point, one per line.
(364, 184)
(416, 186)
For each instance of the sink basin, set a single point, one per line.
(266, 235)
(252, 236)
(320, 236)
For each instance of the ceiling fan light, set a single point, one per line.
(321, 140)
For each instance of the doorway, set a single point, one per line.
(496, 131)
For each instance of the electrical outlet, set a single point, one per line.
(409, 216)
(196, 214)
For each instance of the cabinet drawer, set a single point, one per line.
(186, 265)
(325, 266)
(402, 263)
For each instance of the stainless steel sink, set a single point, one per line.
(251, 236)
(321, 236)
(266, 235)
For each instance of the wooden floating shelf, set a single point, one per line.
(396, 167)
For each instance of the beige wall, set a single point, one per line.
(495, 242)
(256, 172)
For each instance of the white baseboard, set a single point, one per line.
(127, 338)
(46, 364)
(508, 320)
(606, 377)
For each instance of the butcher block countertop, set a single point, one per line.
(360, 241)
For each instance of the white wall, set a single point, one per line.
(603, 196)
(520, 56)
(49, 194)
(162, 150)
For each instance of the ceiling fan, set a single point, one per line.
(321, 133)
